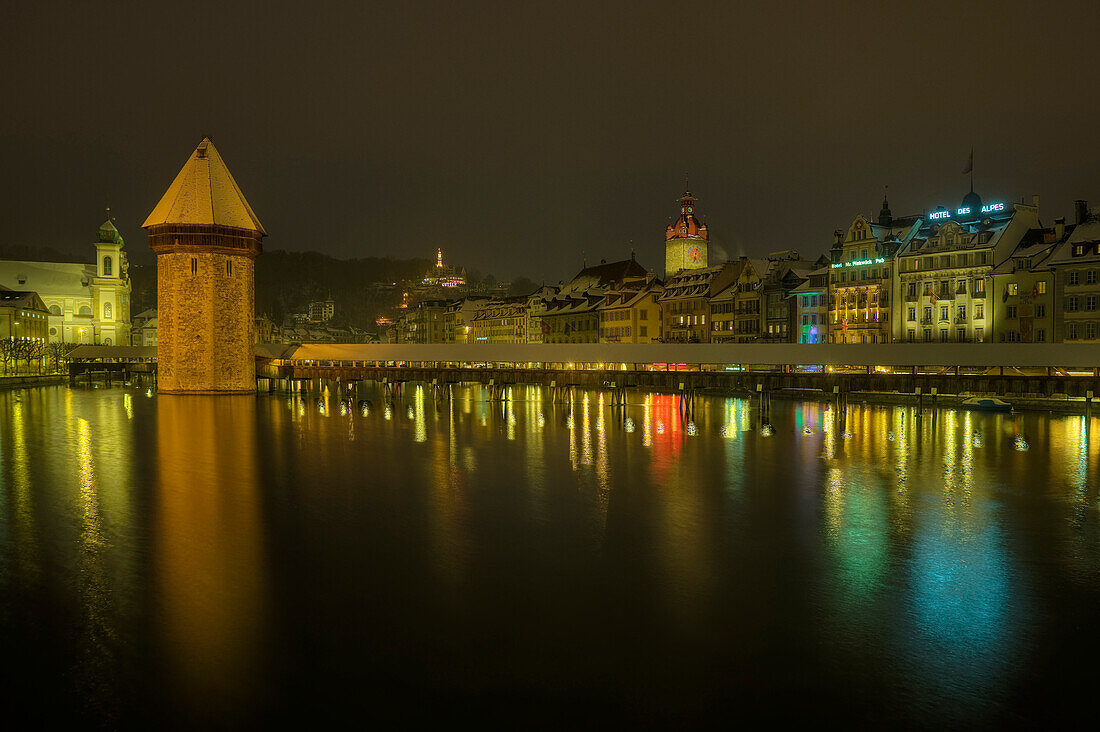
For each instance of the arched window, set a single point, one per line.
(106, 311)
(55, 310)
(85, 310)
(106, 341)
(107, 267)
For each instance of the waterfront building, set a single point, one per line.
(572, 318)
(143, 328)
(736, 312)
(686, 240)
(861, 282)
(458, 318)
(24, 317)
(206, 238)
(685, 303)
(810, 304)
(632, 314)
(1023, 289)
(945, 269)
(425, 322)
(87, 302)
(571, 313)
(536, 308)
(785, 274)
(501, 320)
(1076, 267)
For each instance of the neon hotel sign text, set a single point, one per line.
(965, 210)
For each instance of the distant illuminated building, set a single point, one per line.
(322, 311)
(444, 275)
(686, 240)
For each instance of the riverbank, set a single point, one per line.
(16, 382)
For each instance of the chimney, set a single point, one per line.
(1059, 228)
(1081, 211)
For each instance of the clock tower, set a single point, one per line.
(685, 240)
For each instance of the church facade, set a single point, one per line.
(87, 303)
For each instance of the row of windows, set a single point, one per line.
(1074, 278)
(812, 301)
(945, 335)
(1080, 331)
(944, 261)
(864, 274)
(624, 330)
(1074, 303)
(612, 315)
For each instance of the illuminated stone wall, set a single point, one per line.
(206, 322)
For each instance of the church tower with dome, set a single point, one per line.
(685, 239)
(206, 239)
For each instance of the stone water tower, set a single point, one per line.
(206, 239)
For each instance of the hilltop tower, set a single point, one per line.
(685, 239)
(206, 239)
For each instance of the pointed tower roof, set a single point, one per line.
(205, 193)
(107, 232)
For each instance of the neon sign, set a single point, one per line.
(965, 211)
(858, 263)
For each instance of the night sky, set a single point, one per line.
(522, 136)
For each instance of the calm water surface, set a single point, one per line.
(239, 560)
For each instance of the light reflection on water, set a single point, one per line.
(216, 556)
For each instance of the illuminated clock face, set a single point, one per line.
(695, 254)
(690, 209)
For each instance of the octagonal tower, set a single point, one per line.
(206, 239)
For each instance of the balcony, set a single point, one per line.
(977, 293)
(926, 320)
(960, 319)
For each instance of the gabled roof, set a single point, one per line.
(605, 274)
(204, 192)
(22, 299)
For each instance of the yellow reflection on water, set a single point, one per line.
(209, 572)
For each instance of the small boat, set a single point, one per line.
(987, 404)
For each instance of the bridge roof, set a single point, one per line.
(1020, 355)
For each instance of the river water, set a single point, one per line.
(238, 560)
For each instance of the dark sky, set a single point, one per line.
(519, 135)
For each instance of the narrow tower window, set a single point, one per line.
(194, 266)
(106, 311)
(229, 267)
(107, 267)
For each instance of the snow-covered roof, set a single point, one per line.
(48, 278)
(204, 192)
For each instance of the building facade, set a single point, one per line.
(685, 303)
(862, 278)
(946, 288)
(810, 305)
(632, 315)
(1075, 264)
(206, 238)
